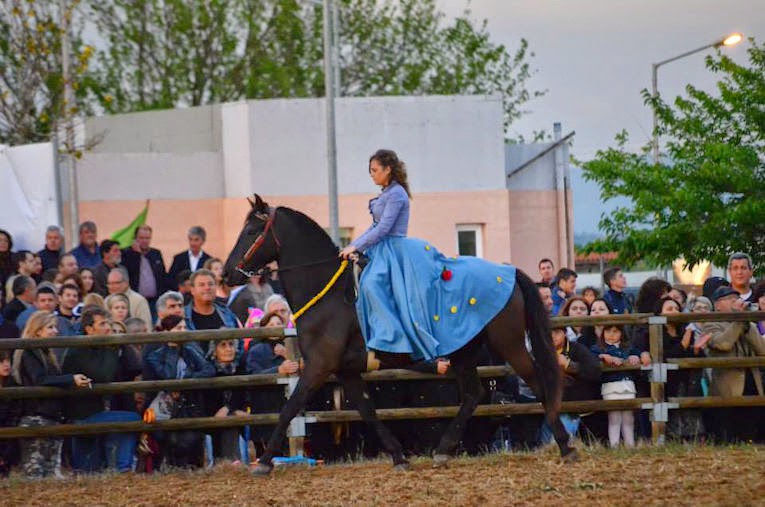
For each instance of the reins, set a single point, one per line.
(259, 242)
(321, 294)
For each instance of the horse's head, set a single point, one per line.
(256, 246)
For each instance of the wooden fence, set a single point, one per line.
(658, 403)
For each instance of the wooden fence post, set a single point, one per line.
(296, 430)
(658, 427)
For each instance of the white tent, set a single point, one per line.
(28, 202)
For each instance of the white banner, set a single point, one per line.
(29, 203)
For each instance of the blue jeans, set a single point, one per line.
(97, 452)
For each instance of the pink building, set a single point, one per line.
(197, 166)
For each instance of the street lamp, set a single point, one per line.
(730, 40)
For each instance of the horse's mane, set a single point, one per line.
(311, 232)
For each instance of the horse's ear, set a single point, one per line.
(259, 204)
(252, 203)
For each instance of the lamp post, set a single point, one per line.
(730, 40)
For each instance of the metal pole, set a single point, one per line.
(74, 218)
(336, 49)
(655, 94)
(329, 90)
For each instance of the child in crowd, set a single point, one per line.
(612, 349)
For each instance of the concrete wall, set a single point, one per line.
(198, 165)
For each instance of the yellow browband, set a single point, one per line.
(317, 297)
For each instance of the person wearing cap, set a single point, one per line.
(734, 339)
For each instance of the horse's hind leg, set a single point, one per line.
(507, 338)
(464, 364)
(356, 391)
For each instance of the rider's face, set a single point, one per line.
(380, 175)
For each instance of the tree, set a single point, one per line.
(31, 81)
(169, 53)
(406, 48)
(708, 199)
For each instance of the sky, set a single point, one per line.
(594, 56)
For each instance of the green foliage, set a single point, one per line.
(169, 53)
(708, 199)
(31, 81)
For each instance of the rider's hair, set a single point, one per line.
(388, 158)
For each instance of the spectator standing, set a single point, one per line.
(204, 312)
(41, 457)
(101, 364)
(591, 334)
(758, 295)
(590, 294)
(68, 300)
(54, 240)
(252, 295)
(677, 340)
(118, 307)
(24, 264)
(6, 262)
(45, 299)
(119, 283)
(24, 290)
(546, 271)
(192, 259)
(575, 307)
(86, 252)
(111, 257)
(565, 287)
(581, 378)
(179, 361)
(227, 401)
(67, 266)
(169, 303)
(616, 282)
(613, 350)
(735, 339)
(222, 291)
(740, 270)
(545, 292)
(88, 280)
(146, 268)
(10, 412)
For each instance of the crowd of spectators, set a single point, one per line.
(99, 289)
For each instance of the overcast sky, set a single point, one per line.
(594, 57)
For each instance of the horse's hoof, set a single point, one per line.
(571, 456)
(440, 460)
(402, 467)
(262, 470)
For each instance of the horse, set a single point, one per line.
(331, 342)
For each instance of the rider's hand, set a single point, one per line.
(346, 252)
(81, 380)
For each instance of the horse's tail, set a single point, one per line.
(545, 357)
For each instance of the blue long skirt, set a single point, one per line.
(414, 300)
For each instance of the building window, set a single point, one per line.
(470, 239)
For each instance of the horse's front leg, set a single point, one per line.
(471, 391)
(310, 381)
(355, 389)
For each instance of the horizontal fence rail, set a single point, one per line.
(196, 423)
(657, 377)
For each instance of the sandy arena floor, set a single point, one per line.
(672, 476)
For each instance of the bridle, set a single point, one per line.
(247, 257)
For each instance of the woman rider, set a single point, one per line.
(412, 299)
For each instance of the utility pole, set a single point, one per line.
(69, 141)
(329, 88)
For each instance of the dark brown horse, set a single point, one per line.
(330, 339)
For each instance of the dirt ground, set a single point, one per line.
(696, 475)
